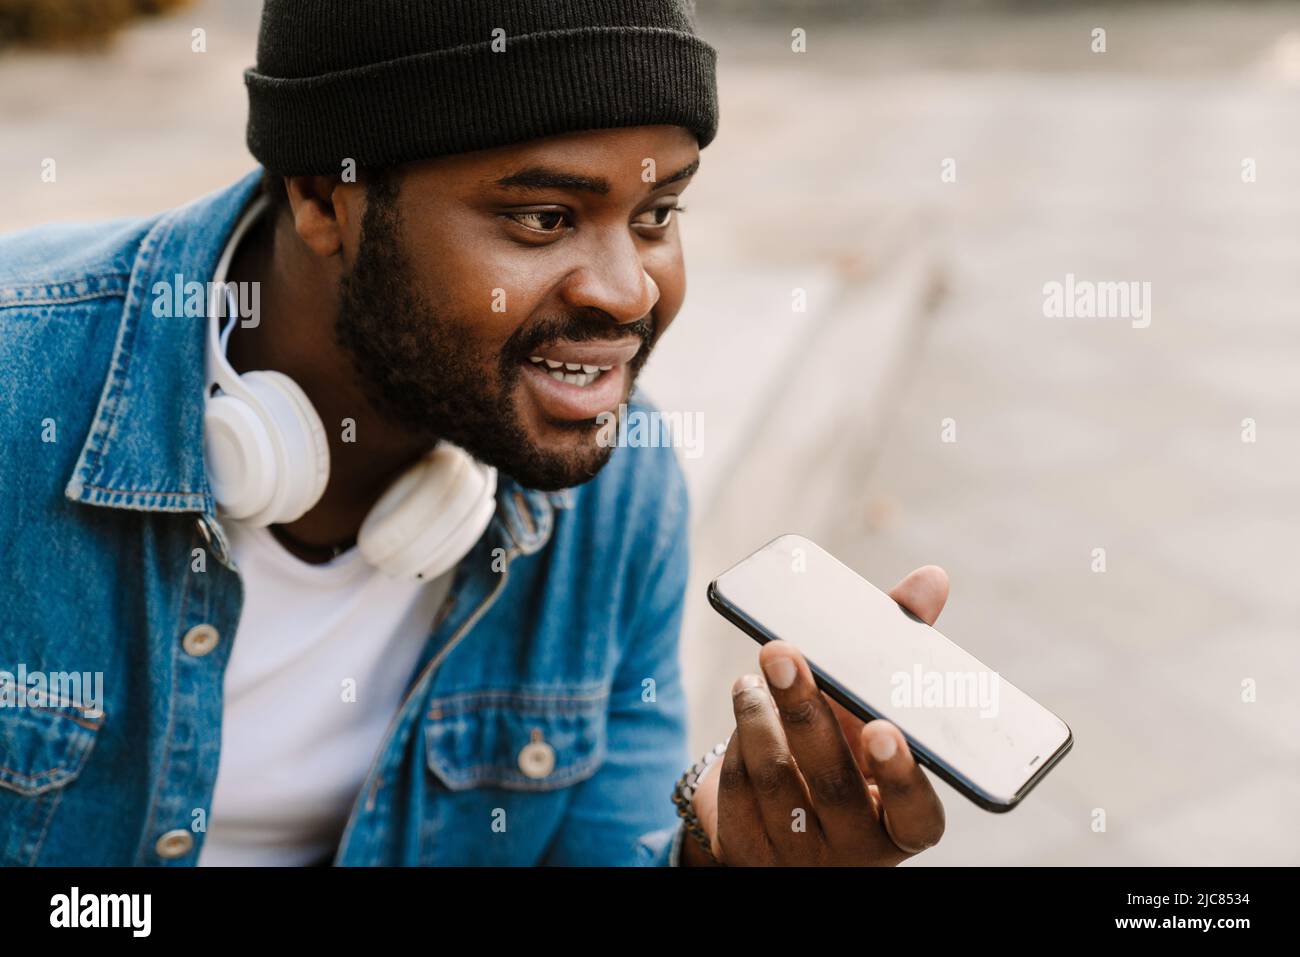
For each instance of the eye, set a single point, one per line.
(541, 220)
(659, 217)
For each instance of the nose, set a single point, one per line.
(613, 279)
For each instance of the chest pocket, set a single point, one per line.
(43, 748)
(528, 739)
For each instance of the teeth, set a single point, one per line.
(581, 379)
(572, 373)
(568, 366)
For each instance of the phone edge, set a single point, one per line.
(851, 702)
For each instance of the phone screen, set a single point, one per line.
(973, 727)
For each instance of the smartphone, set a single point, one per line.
(967, 724)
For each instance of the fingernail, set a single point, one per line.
(745, 681)
(883, 747)
(780, 671)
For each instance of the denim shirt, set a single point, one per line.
(560, 632)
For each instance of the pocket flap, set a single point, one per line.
(44, 747)
(526, 739)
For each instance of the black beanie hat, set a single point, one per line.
(390, 81)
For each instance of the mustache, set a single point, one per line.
(588, 326)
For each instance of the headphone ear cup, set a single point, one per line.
(240, 458)
(298, 437)
(430, 518)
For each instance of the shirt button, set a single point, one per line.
(537, 758)
(174, 844)
(199, 640)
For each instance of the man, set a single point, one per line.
(464, 244)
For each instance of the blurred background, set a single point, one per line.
(919, 172)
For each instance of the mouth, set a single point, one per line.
(576, 381)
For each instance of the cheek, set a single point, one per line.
(484, 299)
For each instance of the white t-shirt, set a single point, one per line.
(323, 656)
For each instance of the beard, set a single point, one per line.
(426, 373)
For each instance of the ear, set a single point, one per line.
(325, 212)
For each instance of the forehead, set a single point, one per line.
(616, 156)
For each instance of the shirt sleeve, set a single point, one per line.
(663, 848)
(624, 813)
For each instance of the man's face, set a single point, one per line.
(504, 299)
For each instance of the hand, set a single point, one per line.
(864, 800)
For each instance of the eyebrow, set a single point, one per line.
(545, 177)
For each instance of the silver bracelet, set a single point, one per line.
(684, 794)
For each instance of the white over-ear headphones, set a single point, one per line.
(268, 460)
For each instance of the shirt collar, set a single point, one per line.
(145, 447)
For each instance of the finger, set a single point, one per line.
(912, 813)
(812, 733)
(740, 836)
(772, 773)
(923, 592)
